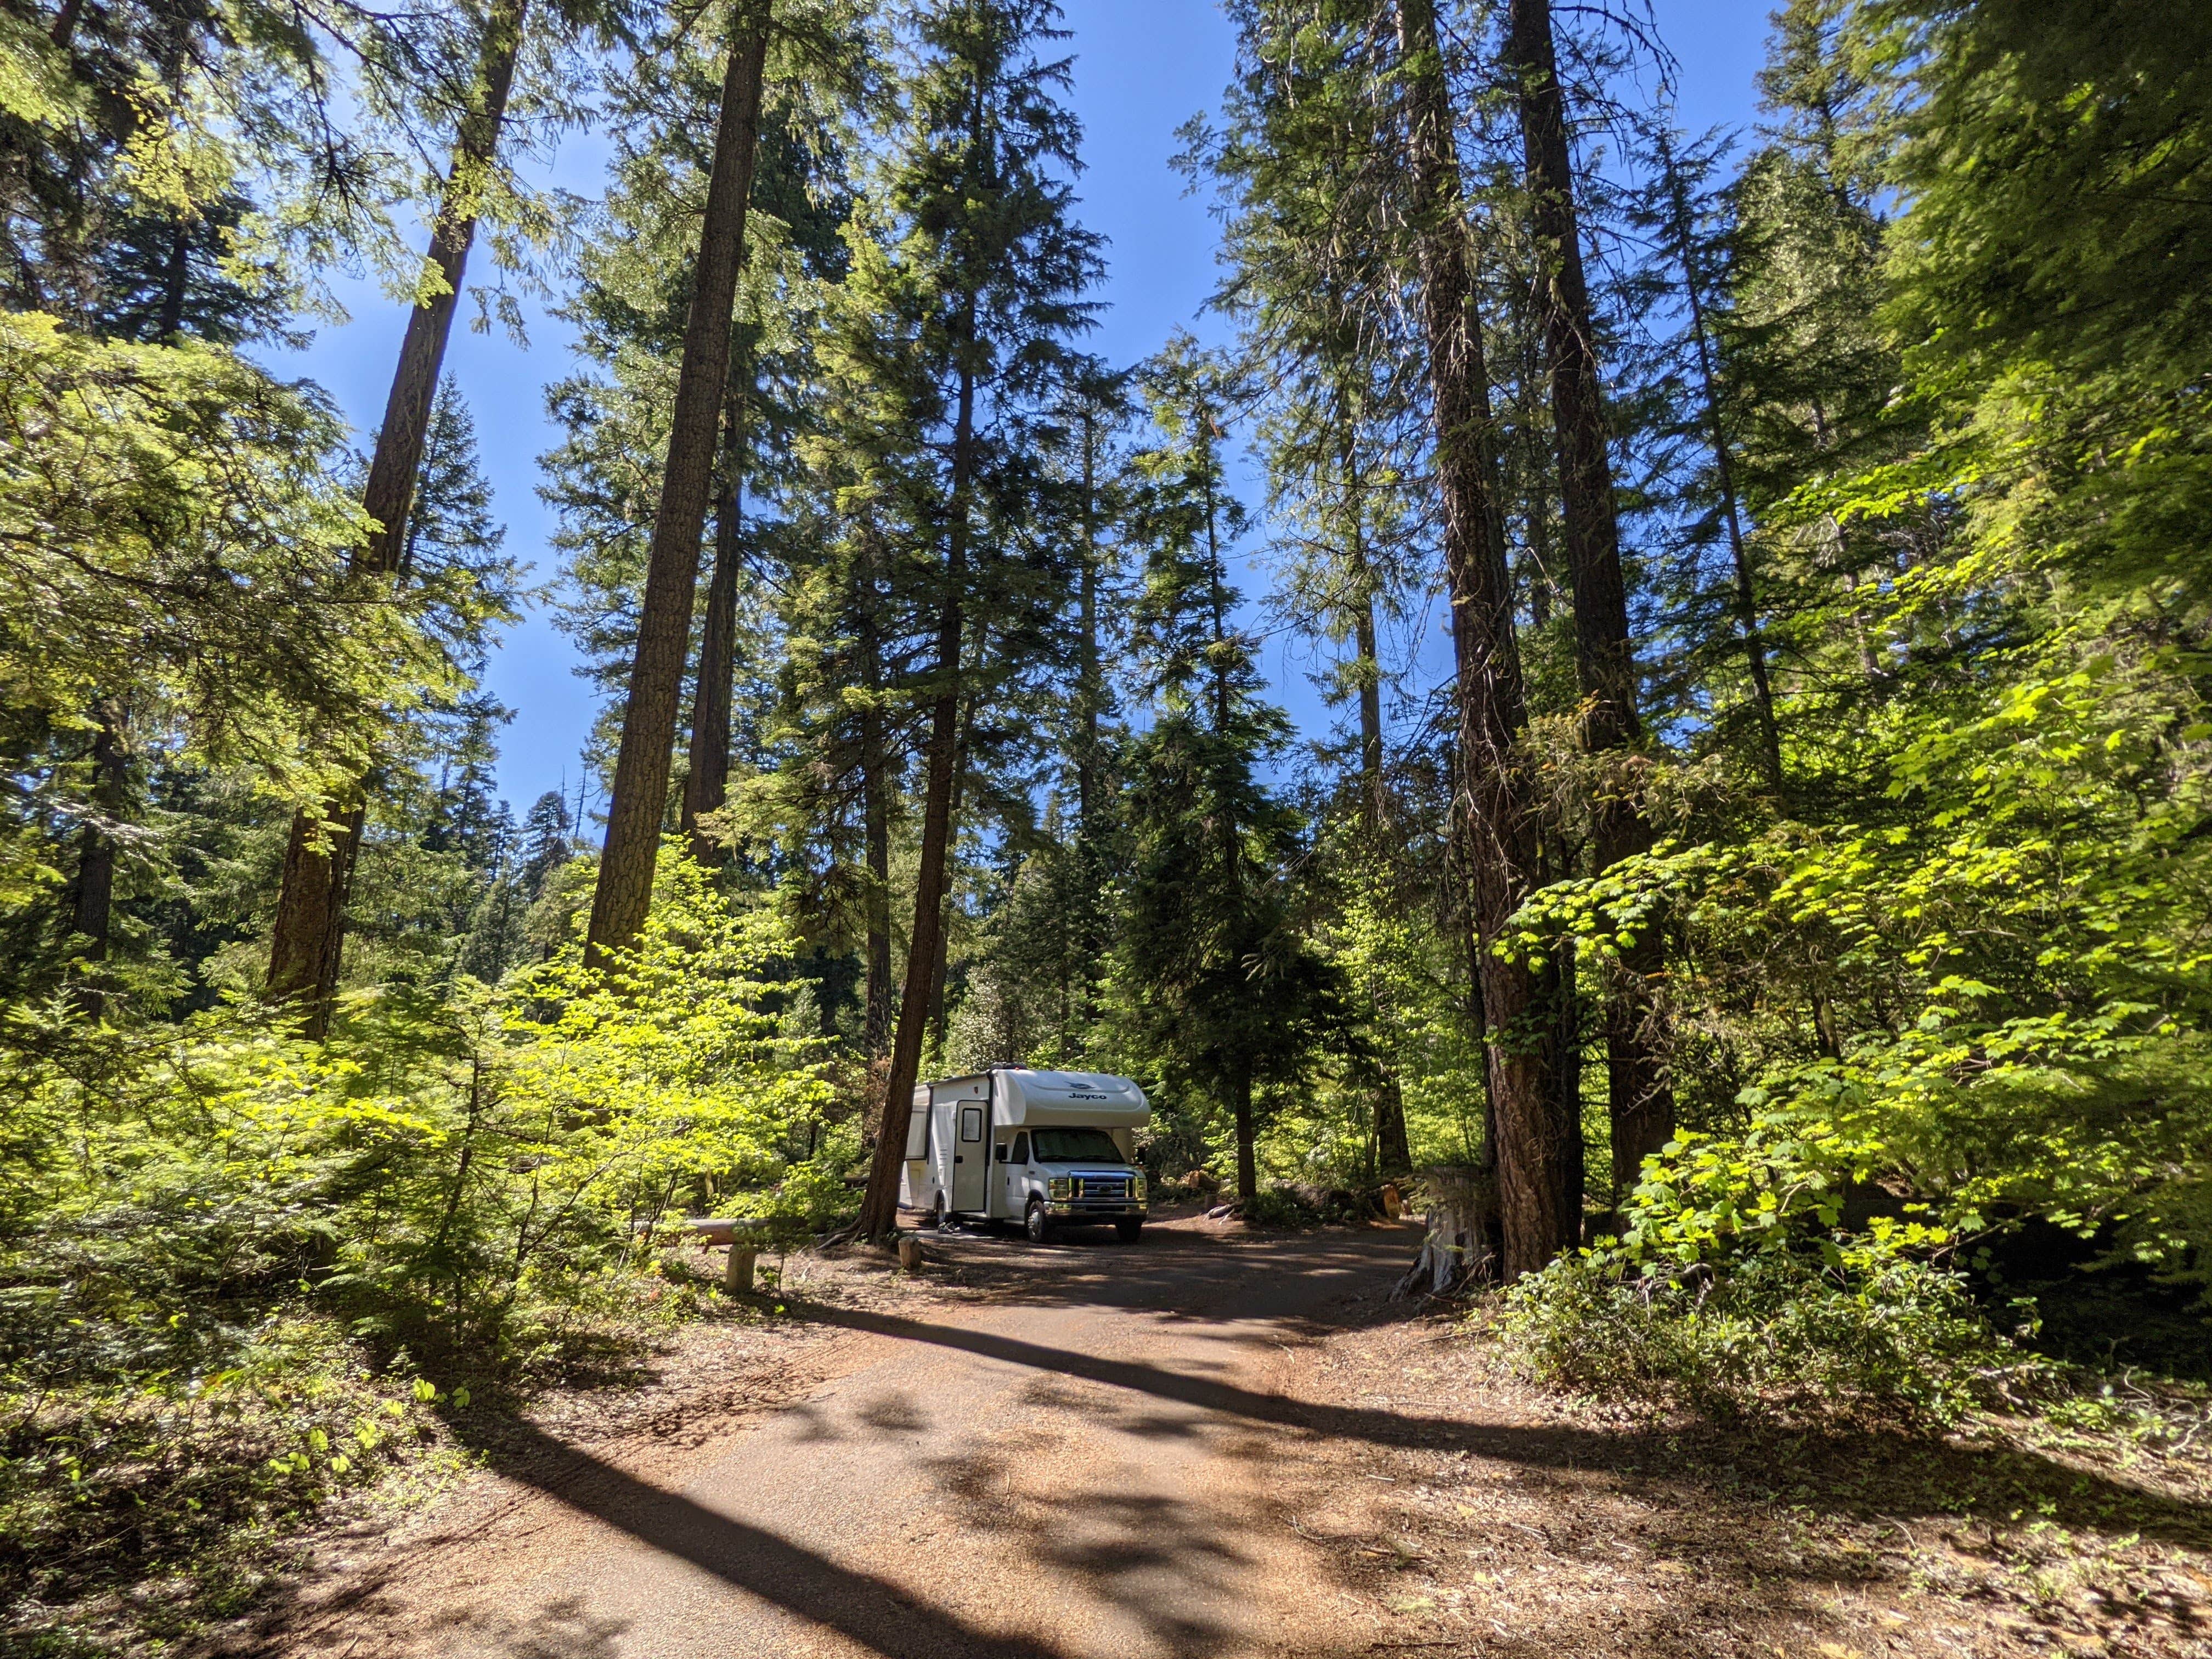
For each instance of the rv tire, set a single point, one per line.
(1129, 1230)
(1037, 1223)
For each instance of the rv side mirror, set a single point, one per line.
(1004, 1148)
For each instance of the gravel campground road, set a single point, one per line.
(1092, 1465)
(1212, 1445)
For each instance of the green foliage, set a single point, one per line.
(1278, 1205)
(222, 1245)
(1219, 991)
(1879, 1338)
(168, 525)
(1736, 1287)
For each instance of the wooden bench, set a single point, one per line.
(745, 1240)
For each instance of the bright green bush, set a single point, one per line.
(227, 1255)
(1735, 1288)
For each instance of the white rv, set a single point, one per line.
(1039, 1149)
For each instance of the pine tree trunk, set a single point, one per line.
(879, 1207)
(940, 976)
(707, 773)
(1540, 1215)
(1090, 692)
(875, 812)
(1393, 1155)
(175, 279)
(308, 939)
(1642, 1101)
(1371, 717)
(1248, 1166)
(1747, 603)
(637, 802)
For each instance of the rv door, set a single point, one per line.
(971, 1154)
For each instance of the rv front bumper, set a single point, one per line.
(1080, 1211)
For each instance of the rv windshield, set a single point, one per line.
(1075, 1147)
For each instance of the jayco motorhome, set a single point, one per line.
(1041, 1149)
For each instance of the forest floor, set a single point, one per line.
(1216, 1443)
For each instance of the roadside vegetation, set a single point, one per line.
(1761, 578)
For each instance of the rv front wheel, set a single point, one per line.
(1129, 1230)
(1037, 1223)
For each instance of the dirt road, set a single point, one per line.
(1088, 1470)
(1210, 1446)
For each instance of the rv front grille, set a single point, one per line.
(1103, 1186)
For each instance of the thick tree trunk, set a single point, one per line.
(1747, 604)
(1540, 1215)
(308, 939)
(1642, 1101)
(638, 802)
(707, 773)
(1393, 1154)
(1240, 1106)
(879, 1207)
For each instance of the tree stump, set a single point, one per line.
(910, 1252)
(1394, 1203)
(1458, 1246)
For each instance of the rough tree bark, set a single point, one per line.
(638, 801)
(1642, 1102)
(308, 939)
(1248, 1165)
(1538, 1215)
(706, 770)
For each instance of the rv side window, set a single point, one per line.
(917, 1134)
(1022, 1147)
(971, 1123)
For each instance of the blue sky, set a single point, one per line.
(1142, 68)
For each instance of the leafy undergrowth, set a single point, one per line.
(165, 1498)
(1737, 1288)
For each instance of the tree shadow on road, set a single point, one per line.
(875, 1612)
(1932, 1478)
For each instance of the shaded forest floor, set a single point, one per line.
(1652, 1535)
(1376, 1481)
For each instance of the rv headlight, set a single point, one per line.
(1136, 1186)
(1061, 1187)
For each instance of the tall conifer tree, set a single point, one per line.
(979, 286)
